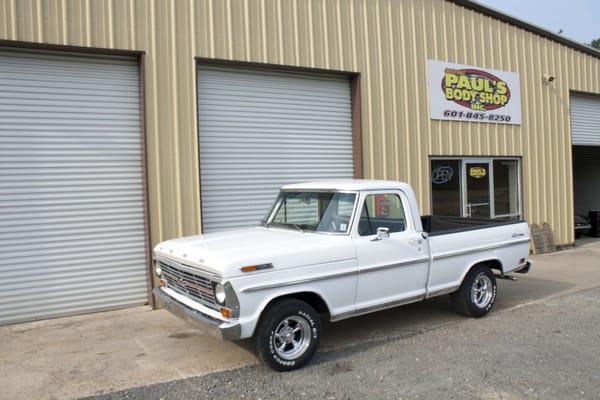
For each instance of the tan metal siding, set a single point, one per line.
(387, 41)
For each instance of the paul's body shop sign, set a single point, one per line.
(465, 93)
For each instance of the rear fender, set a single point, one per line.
(492, 263)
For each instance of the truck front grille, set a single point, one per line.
(196, 287)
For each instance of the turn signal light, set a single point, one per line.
(163, 283)
(225, 312)
(251, 268)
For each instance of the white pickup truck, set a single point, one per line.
(332, 249)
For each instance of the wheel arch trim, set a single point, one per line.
(497, 264)
(297, 294)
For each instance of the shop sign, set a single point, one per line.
(465, 93)
(477, 172)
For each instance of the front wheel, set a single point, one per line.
(288, 335)
(477, 294)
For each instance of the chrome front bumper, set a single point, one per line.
(205, 323)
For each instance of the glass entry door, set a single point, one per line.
(476, 175)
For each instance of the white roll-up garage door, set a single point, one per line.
(71, 195)
(585, 120)
(260, 129)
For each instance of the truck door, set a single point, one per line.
(393, 264)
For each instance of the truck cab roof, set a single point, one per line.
(348, 185)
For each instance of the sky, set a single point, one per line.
(579, 19)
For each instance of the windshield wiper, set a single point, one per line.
(298, 227)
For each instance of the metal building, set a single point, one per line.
(124, 123)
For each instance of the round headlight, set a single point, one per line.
(220, 293)
(157, 269)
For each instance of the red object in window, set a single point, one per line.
(382, 206)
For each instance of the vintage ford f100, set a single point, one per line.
(333, 249)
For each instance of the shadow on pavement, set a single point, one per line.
(423, 316)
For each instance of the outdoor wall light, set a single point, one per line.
(549, 78)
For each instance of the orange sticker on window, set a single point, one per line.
(382, 206)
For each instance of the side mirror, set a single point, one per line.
(382, 232)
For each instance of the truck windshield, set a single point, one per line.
(313, 211)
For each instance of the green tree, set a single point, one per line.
(595, 44)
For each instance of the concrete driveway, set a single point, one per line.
(90, 354)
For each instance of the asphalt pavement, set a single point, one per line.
(545, 349)
(72, 357)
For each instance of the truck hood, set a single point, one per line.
(224, 253)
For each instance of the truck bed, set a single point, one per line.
(437, 225)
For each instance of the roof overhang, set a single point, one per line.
(491, 12)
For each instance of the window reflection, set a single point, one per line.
(445, 187)
(506, 188)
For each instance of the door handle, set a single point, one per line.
(415, 241)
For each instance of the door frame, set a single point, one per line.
(463, 187)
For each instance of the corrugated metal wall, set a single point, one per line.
(387, 41)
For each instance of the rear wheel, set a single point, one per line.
(288, 335)
(477, 294)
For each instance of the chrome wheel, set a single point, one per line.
(482, 291)
(292, 337)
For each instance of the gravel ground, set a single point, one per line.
(546, 350)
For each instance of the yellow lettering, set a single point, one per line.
(489, 98)
(477, 90)
(463, 83)
(488, 86)
(450, 80)
(501, 87)
(477, 84)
